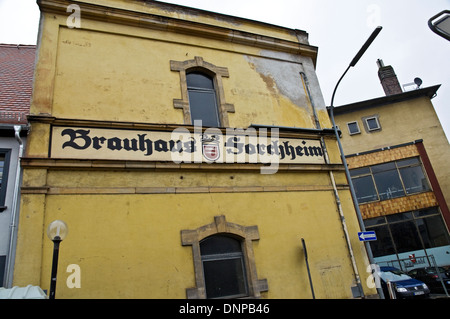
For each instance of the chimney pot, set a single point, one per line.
(380, 63)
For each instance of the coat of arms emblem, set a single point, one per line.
(210, 147)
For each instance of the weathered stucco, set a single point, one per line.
(125, 217)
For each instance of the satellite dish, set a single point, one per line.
(418, 82)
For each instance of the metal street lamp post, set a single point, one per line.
(57, 232)
(344, 161)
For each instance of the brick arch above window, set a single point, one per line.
(216, 72)
(220, 226)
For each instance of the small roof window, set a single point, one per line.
(372, 123)
(353, 128)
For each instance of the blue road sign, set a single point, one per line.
(367, 236)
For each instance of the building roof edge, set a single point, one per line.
(430, 92)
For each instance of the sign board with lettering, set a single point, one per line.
(183, 146)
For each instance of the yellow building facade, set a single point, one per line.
(397, 154)
(157, 205)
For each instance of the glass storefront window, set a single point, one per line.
(383, 245)
(389, 180)
(365, 189)
(405, 236)
(433, 231)
(375, 221)
(408, 231)
(414, 179)
(399, 217)
(360, 171)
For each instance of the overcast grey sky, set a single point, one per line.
(338, 28)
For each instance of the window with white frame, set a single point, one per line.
(353, 128)
(372, 123)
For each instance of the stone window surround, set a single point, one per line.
(357, 126)
(366, 124)
(220, 226)
(216, 72)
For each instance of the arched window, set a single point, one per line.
(223, 267)
(224, 263)
(202, 99)
(202, 92)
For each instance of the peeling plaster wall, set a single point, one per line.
(281, 77)
(282, 74)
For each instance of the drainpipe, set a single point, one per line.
(14, 212)
(343, 222)
(306, 83)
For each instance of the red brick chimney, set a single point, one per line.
(388, 79)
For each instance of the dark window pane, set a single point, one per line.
(2, 164)
(383, 167)
(399, 217)
(202, 99)
(364, 188)
(360, 171)
(433, 231)
(374, 221)
(408, 162)
(219, 244)
(405, 236)
(223, 267)
(224, 278)
(372, 124)
(383, 245)
(414, 179)
(199, 80)
(426, 212)
(203, 107)
(2, 269)
(353, 127)
(388, 184)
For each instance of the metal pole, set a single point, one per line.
(56, 242)
(307, 267)
(391, 290)
(350, 183)
(344, 161)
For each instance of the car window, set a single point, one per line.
(393, 275)
(433, 270)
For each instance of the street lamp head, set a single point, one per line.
(352, 64)
(365, 46)
(57, 230)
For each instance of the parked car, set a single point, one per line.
(403, 285)
(430, 276)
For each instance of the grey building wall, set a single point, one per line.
(9, 142)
